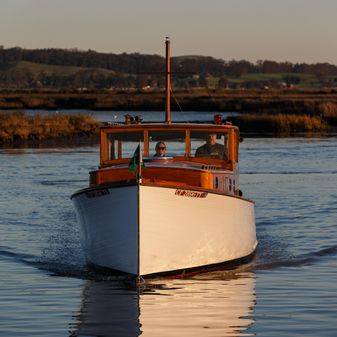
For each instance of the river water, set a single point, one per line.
(289, 289)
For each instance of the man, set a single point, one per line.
(160, 149)
(211, 149)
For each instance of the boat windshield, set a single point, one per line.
(167, 143)
(209, 144)
(120, 145)
(123, 144)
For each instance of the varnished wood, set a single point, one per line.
(208, 162)
(146, 143)
(161, 175)
(229, 129)
(160, 126)
(231, 145)
(188, 143)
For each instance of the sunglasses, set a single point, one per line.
(161, 147)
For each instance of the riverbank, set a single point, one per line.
(18, 128)
(282, 125)
(321, 119)
(294, 101)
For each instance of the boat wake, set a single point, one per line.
(301, 260)
(19, 257)
(288, 172)
(262, 261)
(77, 268)
(61, 182)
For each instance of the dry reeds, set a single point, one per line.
(18, 126)
(282, 124)
(328, 111)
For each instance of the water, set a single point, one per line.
(289, 289)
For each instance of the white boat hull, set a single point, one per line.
(146, 230)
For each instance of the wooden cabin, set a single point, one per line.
(180, 167)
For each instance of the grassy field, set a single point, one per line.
(305, 79)
(36, 69)
(39, 70)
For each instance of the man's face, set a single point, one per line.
(161, 150)
(211, 139)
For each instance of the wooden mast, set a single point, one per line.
(168, 82)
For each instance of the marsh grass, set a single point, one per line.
(328, 111)
(18, 126)
(282, 124)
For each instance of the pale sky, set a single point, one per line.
(279, 30)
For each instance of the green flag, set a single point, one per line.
(136, 161)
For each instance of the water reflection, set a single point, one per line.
(107, 311)
(217, 305)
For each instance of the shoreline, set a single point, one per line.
(18, 130)
(297, 101)
(271, 113)
(68, 143)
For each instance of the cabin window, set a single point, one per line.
(173, 141)
(209, 144)
(123, 144)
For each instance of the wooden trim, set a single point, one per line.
(145, 128)
(218, 163)
(161, 126)
(103, 146)
(119, 155)
(146, 143)
(236, 147)
(188, 143)
(162, 184)
(231, 147)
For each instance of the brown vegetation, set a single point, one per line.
(328, 111)
(280, 124)
(294, 101)
(20, 127)
(283, 112)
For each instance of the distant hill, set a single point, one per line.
(74, 69)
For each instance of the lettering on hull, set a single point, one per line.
(96, 194)
(191, 194)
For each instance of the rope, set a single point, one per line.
(176, 100)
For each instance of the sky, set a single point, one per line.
(278, 30)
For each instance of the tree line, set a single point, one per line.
(139, 70)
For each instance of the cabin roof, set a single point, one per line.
(167, 126)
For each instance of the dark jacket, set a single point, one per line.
(213, 151)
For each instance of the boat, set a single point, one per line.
(178, 211)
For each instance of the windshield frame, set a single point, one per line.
(231, 132)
